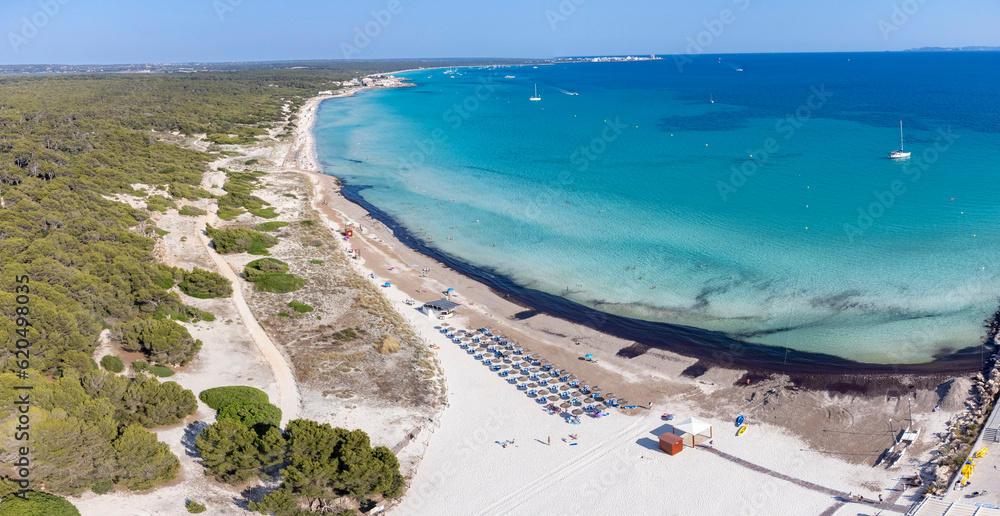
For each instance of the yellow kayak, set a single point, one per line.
(742, 429)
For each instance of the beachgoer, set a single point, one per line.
(879, 498)
(550, 441)
(650, 405)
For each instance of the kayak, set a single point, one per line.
(739, 421)
(742, 429)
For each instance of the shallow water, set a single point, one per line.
(771, 215)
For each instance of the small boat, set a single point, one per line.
(508, 77)
(739, 421)
(536, 97)
(899, 154)
(741, 430)
(710, 99)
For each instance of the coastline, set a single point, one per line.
(796, 418)
(709, 348)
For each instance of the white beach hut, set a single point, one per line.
(694, 427)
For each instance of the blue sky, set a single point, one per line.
(117, 31)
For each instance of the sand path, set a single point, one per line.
(288, 391)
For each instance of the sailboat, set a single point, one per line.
(710, 99)
(536, 97)
(899, 154)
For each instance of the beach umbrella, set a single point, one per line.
(589, 356)
(565, 404)
(532, 385)
(564, 388)
(577, 412)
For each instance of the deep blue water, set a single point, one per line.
(771, 216)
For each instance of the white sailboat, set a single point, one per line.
(899, 154)
(710, 99)
(536, 97)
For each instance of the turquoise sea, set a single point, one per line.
(753, 192)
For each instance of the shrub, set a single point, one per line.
(161, 371)
(159, 203)
(102, 486)
(279, 283)
(270, 226)
(191, 193)
(240, 240)
(258, 268)
(284, 314)
(194, 507)
(269, 275)
(316, 262)
(387, 344)
(345, 335)
(112, 363)
(307, 223)
(293, 196)
(36, 504)
(300, 307)
(207, 316)
(219, 397)
(267, 213)
(251, 414)
(204, 284)
(140, 366)
(191, 211)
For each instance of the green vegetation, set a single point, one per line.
(307, 223)
(270, 226)
(271, 275)
(103, 486)
(240, 240)
(291, 195)
(112, 363)
(219, 397)
(191, 211)
(159, 203)
(326, 463)
(194, 507)
(300, 307)
(67, 142)
(140, 366)
(316, 262)
(162, 340)
(191, 193)
(89, 429)
(239, 197)
(160, 371)
(233, 453)
(284, 314)
(204, 284)
(266, 213)
(36, 504)
(252, 414)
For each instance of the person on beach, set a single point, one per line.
(550, 441)
(650, 407)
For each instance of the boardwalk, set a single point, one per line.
(840, 496)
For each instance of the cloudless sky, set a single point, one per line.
(143, 31)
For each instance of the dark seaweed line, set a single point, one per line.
(710, 347)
